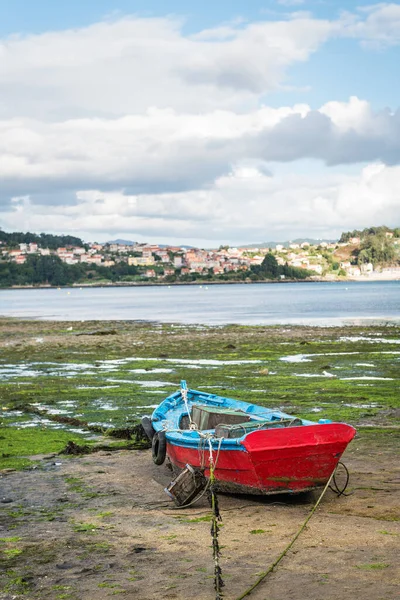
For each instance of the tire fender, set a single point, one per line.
(159, 447)
(148, 427)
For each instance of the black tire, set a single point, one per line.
(148, 427)
(159, 447)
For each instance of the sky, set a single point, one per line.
(207, 123)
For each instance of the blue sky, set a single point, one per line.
(132, 118)
(26, 16)
(339, 70)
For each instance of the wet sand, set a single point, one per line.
(100, 525)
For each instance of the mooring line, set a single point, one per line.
(286, 550)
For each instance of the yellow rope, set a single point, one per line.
(286, 550)
(218, 583)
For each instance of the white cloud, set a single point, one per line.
(125, 66)
(380, 28)
(133, 126)
(243, 206)
(163, 150)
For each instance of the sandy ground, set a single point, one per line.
(100, 526)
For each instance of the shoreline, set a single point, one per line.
(374, 278)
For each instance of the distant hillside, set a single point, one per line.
(122, 242)
(286, 244)
(362, 234)
(130, 243)
(376, 245)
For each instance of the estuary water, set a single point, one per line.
(308, 303)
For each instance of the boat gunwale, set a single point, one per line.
(168, 414)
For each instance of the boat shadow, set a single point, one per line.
(229, 499)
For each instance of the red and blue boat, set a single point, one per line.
(254, 449)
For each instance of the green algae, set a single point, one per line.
(18, 443)
(257, 531)
(373, 566)
(85, 527)
(75, 381)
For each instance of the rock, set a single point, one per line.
(66, 565)
(73, 448)
(99, 332)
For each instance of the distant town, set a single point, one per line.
(359, 254)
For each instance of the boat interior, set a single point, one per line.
(231, 423)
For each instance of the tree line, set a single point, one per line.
(44, 240)
(270, 269)
(51, 270)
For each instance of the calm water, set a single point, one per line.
(295, 303)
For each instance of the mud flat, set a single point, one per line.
(100, 525)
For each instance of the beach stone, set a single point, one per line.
(66, 565)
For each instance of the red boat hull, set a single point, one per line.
(292, 459)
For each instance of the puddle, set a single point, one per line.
(366, 377)
(11, 413)
(119, 381)
(149, 371)
(50, 410)
(155, 383)
(83, 432)
(96, 387)
(37, 421)
(372, 340)
(213, 387)
(208, 362)
(308, 375)
(195, 366)
(298, 358)
(123, 361)
(19, 371)
(372, 405)
(105, 405)
(70, 370)
(57, 411)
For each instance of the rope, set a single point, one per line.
(184, 392)
(216, 517)
(286, 550)
(335, 487)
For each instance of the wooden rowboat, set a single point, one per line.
(254, 449)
